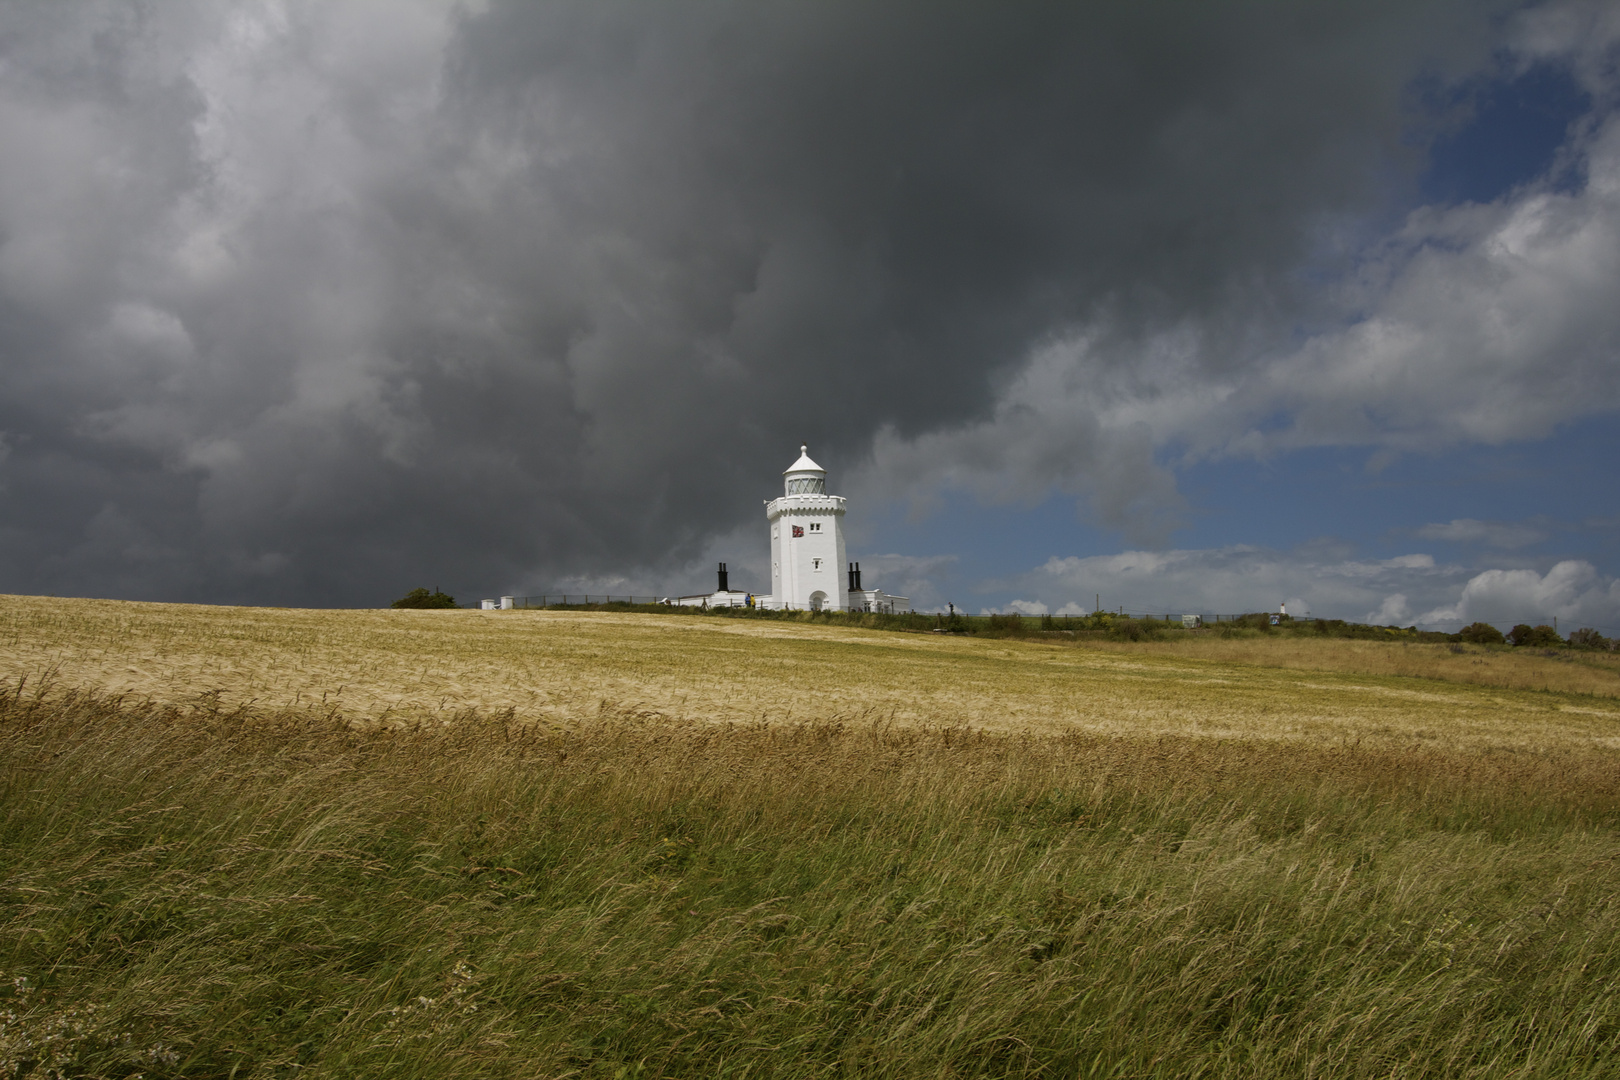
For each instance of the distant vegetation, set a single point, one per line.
(1124, 627)
(1587, 638)
(1481, 633)
(1534, 636)
(421, 598)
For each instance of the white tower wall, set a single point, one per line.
(807, 541)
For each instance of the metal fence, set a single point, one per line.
(553, 600)
(581, 600)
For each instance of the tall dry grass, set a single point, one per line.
(565, 667)
(1573, 671)
(200, 891)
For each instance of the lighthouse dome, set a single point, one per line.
(805, 477)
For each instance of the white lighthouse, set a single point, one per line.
(808, 572)
(807, 541)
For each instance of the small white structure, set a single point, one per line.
(880, 602)
(875, 600)
(508, 603)
(486, 605)
(724, 596)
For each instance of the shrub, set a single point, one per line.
(1136, 630)
(1588, 638)
(421, 598)
(1536, 636)
(1481, 633)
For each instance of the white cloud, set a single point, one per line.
(1320, 581)
(1572, 591)
(1046, 432)
(1484, 324)
(1392, 612)
(1019, 607)
(1496, 534)
(1238, 579)
(1582, 31)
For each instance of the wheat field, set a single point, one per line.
(565, 667)
(253, 844)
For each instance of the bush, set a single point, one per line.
(421, 598)
(1588, 638)
(1481, 633)
(1536, 636)
(1136, 630)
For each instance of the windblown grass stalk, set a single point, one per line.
(197, 891)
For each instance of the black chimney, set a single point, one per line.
(723, 586)
(857, 576)
(851, 577)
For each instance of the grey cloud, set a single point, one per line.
(1469, 324)
(314, 302)
(1476, 324)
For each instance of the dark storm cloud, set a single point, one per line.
(312, 303)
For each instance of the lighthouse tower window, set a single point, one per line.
(815, 526)
(807, 485)
(815, 564)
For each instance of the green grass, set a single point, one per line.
(189, 892)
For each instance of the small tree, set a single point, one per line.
(1523, 634)
(1481, 633)
(421, 598)
(1588, 638)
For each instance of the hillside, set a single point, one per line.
(565, 667)
(256, 844)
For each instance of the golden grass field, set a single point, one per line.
(566, 667)
(258, 843)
